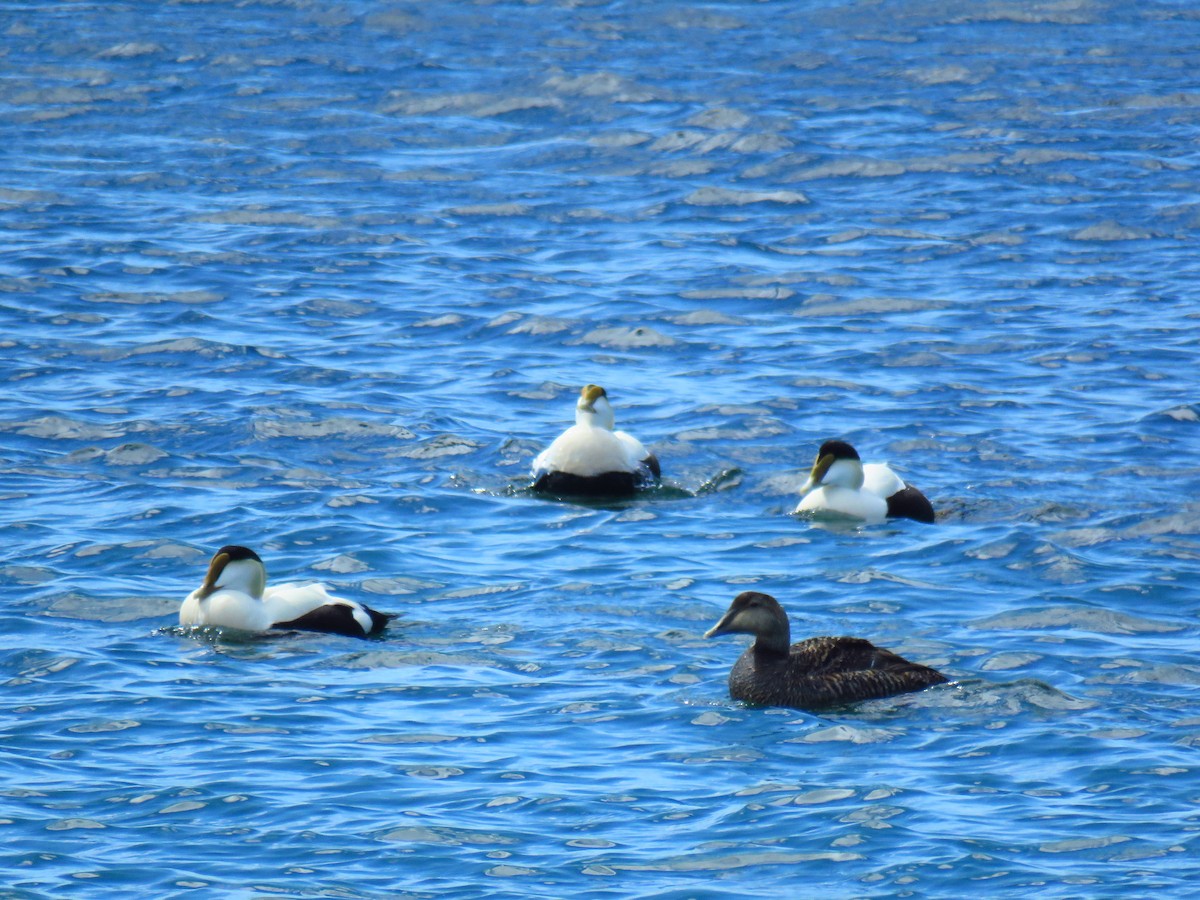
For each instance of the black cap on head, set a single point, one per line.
(235, 552)
(837, 449)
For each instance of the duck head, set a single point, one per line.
(837, 464)
(593, 408)
(758, 614)
(235, 568)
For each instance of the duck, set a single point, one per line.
(840, 485)
(235, 595)
(815, 673)
(591, 459)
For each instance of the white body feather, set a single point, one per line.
(243, 601)
(853, 490)
(279, 603)
(587, 450)
(591, 447)
(881, 481)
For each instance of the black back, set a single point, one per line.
(910, 504)
(606, 484)
(335, 618)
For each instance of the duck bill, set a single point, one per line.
(588, 396)
(215, 568)
(722, 627)
(817, 475)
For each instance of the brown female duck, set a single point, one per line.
(815, 673)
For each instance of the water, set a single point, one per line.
(322, 278)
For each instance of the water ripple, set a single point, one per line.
(324, 280)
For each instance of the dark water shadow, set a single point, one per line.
(666, 490)
(970, 695)
(256, 644)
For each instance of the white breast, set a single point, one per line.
(832, 500)
(587, 451)
(225, 609)
(280, 603)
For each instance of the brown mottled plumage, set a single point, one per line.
(818, 672)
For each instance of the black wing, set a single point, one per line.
(335, 618)
(910, 504)
(607, 484)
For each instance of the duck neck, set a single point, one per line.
(598, 415)
(847, 473)
(774, 643)
(245, 575)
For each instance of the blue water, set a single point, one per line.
(322, 278)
